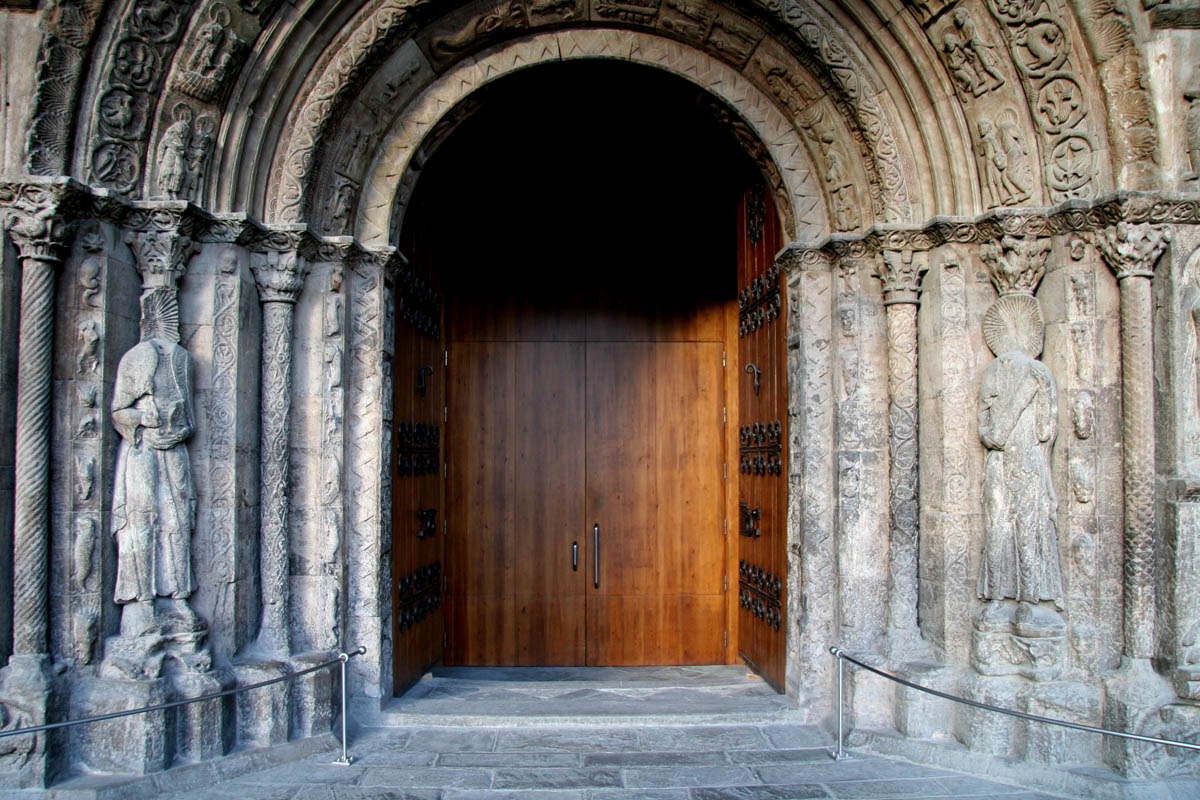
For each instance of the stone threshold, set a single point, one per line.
(1090, 782)
(183, 777)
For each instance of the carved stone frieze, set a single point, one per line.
(1005, 165)
(972, 63)
(215, 53)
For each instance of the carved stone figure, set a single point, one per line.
(1005, 160)
(971, 62)
(154, 501)
(1018, 421)
(173, 157)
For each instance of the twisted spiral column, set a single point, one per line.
(35, 362)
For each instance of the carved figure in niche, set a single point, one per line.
(1005, 159)
(173, 155)
(89, 270)
(154, 501)
(841, 191)
(197, 154)
(339, 214)
(1191, 93)
(211, 37)
(1018, 422)
(88, 359)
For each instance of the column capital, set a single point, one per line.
(279, 275)
(1132, 250)
(162, 236)
(901, 277)
(1016, 264)
(37, 213)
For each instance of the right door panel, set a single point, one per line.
(762, 436)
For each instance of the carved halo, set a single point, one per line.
(1014, 322)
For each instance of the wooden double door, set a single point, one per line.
(585, 493)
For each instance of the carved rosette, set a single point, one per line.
(33, 215)
(1131, 252)
(901, 278)
(279, 275)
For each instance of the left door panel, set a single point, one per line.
(516, 594)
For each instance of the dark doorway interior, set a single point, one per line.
(581, 227)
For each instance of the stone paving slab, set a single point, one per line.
(725, 762)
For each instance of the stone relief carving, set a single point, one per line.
(91, 268)
(1083, 480)
(85, 477)
(88, 357)
(1190, 390)
(83, 552)
(973, 65)
(1084, 415)
(183, 153)
(494, 21)
(1001, 148)
(1041, 51)
(146, 40)
(85, 394)
(1019, 629)
(217, 50)
(843, 202)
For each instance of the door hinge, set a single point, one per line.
(724, 583)
(445, 413)
(724, 526)
(444, 580)
(446, 358)
(724, 418)
(445, 473)
(443, 524)
(722, 358)
(724, 472)
(724, 639)
(445, 641)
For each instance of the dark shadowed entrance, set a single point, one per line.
(582, 225)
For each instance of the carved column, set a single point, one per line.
(279, 275)
(901, 298)
(39, 233)
(1131, 252)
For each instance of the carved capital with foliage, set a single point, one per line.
(1016, 264)
(279, 275)
(901, 277)
(37, 214)
(162, 236)
(1132, 250)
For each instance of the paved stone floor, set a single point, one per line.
(659, 734)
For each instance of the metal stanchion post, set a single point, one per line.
(345, 760)
(841, 753)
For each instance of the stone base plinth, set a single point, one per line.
(263, 715)
(920, 715)
(1051, 744)
(987, 731)
(204, 730)
(314, 695)
(1024, 639)
(1136, 699)
(28, 694)
(136, 744)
